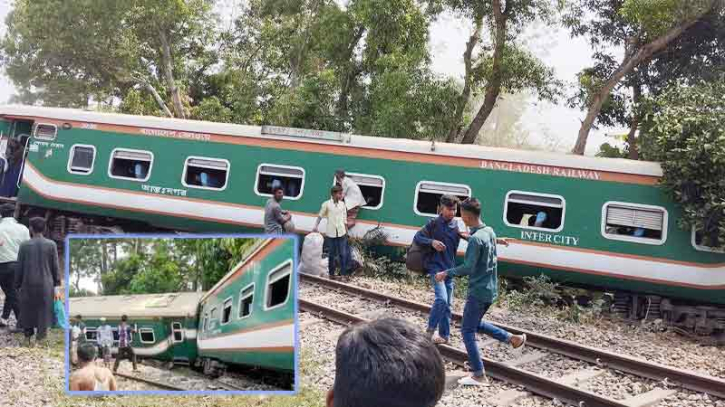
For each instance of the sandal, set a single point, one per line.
(521, 345)
(438, 340)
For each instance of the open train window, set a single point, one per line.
(246, 301)
(205, 173)
(371, 186)
(178, 331)
(45, 131)
(204, 323)
(131, 164)
(634, 223)
(147, 335)
(227, 311)
(278, 285)
(428, 195)
(707, 242)
(291, 179)
(529, 210)
(92, 334)
(81, 159)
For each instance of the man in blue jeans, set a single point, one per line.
(335, 212)
(443, 235)
(481, 268)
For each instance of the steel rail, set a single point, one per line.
(533, 382)
(151, 382)
(639, 367)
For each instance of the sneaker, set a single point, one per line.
(470, 381)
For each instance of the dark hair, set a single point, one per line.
(449, 201)
(87, 352)
(7, 210)
(277, 188)
(472, 205)
(124, 317)
(78, 316)
(340, 173)
(37, 224)
(387, 362)
(335, 189)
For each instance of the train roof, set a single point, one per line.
(137, 306)
(250, 252)
(623, 166)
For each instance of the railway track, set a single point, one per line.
(566, 388)
(161, 385)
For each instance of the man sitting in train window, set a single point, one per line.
(208, 180)
(385, 363)
(352, 195)
(9, 187)
(539, 220)
(139, 170)
(91, 377)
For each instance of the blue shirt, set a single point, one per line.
(445, 232)
(480, 265)
(9, 187)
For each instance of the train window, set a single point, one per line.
(147, 335)
(278, 285)
(291, 179)
(204, 323)
(91, 334)
(634, 223)
(45, 131)
(131, 164)
(205, 173)
(530, 210)
(178, 331)
(81, 159)
(246, 299)
(428, 196)
(371, 186)
(707, 242)
(227, 311)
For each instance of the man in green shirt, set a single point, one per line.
(480, 266)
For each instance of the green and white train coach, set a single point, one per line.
(602, 222)
(165, 324)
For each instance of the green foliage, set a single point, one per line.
(655, 17)
(685, 127)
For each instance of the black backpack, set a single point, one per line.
(416, 255)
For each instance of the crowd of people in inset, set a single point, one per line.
(29, 275)
(90, 376)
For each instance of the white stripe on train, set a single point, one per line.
(634, 268)
(279, 336)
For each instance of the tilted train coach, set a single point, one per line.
(580, 220)
(247, 318)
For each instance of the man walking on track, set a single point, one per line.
(37, 275)
(443, 235)
(481, 268)
(125, 351)
(12, 235)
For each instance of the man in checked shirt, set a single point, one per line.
(125, 351)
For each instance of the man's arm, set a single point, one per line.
(421, 239)
(323, 213)
(112, 384)
(473, 254)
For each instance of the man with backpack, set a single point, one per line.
(443, 236)
(481, 268)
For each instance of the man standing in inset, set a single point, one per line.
(125, 351)
(105, 341)
(12, 235)
(274, 216)
(352, 195)
(38, 281)
(482, 270)
(335, 212)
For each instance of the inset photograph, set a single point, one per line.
(182, 314)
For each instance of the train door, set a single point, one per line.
(14, 148)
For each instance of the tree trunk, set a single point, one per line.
(155, 94)
(295, 73)
(493, 88)
(630, 62)
(465, 95)
(349, 75)
(168, 69)
(631, 140)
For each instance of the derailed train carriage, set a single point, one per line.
(586, 221)
(165, 324)
(247, 318)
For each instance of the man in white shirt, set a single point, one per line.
(105, 340)
(12, 234)
(351, 193)
(335, 212)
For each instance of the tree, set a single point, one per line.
(135, 45)
(685, 132)
(503, 66)
(646, 29)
